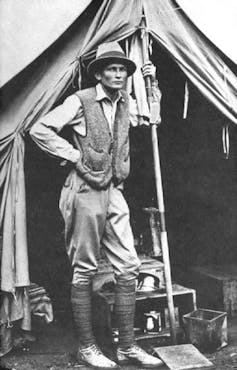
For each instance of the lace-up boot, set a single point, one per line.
(135, 354)
(93, 357)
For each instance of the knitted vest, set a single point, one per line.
(103, 157)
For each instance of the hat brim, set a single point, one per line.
(98, 64)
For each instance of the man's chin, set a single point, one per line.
(113, 89)
(117, 87)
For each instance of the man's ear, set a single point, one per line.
(98, 76)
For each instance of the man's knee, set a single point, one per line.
(80, 278)
(130, 270)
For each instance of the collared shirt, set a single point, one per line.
(45, 131)
(109, 106)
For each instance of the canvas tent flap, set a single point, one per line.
(40, 23)
(14, 261)
(217, 20)
(114, 21)
(194, 54)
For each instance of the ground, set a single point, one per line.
(55, 349)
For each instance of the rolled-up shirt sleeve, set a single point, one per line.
(45, 131)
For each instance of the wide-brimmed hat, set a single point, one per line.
(108, 53)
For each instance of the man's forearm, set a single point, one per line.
(45, 131)
(51, 143)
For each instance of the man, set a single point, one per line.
(92, 204)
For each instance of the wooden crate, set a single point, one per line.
(104, 320)
(216, 287)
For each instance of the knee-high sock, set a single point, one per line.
(81, 295)
(125, 300)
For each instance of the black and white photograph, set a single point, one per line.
(118, 184)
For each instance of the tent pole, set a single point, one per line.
(159, 192)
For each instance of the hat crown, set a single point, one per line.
(110, 52)
(109, 47)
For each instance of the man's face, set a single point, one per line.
(113, 76)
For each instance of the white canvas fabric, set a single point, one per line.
(217, 20)
(40, 23)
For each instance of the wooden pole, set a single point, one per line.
(159, 192)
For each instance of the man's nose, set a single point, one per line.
(118, 73)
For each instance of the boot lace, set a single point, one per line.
(134, 350)
(93, 348)
(138, 350)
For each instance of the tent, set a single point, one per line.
(40, 75)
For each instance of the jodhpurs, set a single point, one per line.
(95, 219)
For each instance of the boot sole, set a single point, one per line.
(138, 363)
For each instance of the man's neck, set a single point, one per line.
(112, 94)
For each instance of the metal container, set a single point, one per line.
(153, 322)
(206, 329)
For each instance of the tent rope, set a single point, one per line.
(186, 100)
(225, 129)
(76, 70)
(226, 140)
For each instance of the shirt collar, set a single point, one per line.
(101, 94)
